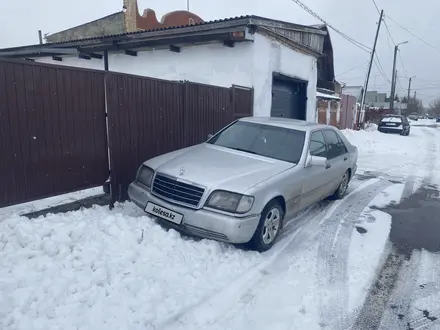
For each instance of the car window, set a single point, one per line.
(335, 146)
(265, 140)
(392, 119)
(317, 145)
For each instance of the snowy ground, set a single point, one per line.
(101, 269)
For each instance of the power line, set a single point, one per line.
(418, 89)
(375, 5)
(380, 69)
(414, 35)
(403, 67)
(398, 83)
(357, 67)
(353, 41)
(385, 23)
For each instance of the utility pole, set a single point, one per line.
(40, 37)
(371, 61)
(409, 92)
(394, 77)
(187, 5)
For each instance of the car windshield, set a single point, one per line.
(264, 140)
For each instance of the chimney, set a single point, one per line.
(130, 15)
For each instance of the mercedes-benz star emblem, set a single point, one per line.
(182, 171)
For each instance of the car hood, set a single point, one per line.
(221, 168)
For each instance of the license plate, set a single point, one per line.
(163, 213)
(390, 124)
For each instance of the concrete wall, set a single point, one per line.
(112, 24)
(249, 64)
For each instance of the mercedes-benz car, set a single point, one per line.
(241, 184)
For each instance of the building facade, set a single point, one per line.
(279, 60)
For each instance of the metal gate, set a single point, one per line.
(52, 130)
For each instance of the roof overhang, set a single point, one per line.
(235, 31)
(238, 29)
(327, 96)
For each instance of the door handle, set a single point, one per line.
(328, 166)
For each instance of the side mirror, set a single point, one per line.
(318, 161)
(210, 136)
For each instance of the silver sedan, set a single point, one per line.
(242, 183)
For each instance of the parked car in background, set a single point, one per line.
(394, 124)
(438, 119)
(242, 183)
(413, 117)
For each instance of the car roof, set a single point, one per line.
(299, 125)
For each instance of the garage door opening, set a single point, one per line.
(289, 97)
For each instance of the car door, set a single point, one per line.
(337, 155)
(315, 178)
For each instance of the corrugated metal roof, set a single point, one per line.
(218, 21)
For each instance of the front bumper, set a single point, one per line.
(202, 223)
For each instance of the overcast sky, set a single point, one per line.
(357, 18)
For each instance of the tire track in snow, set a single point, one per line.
(388, 305)
(240, 293)
(399, 304)
(333, 254)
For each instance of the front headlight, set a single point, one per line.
(145, 176)
(230, 202)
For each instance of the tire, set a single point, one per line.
(272, 214)
(343, 186)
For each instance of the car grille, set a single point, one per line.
(204, 233)
(180, 192)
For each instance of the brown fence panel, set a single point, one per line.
(145, 118)
(334, 113)
(207, 110)
(322, 106)
(53, 137)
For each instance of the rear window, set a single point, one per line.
(392, 120)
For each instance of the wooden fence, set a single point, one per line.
(66, 129)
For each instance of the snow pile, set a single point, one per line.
(370, 127)
(97, 269)
(396, 155)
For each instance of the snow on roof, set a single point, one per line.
(327, 96)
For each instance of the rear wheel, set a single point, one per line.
(270, 224)
(343, 186)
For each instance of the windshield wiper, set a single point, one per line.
(244, 150)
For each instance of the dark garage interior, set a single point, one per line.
(289, 97)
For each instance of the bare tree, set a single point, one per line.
(434, 107)
(414, 106)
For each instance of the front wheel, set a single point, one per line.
(270, 224)
(343, 186)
